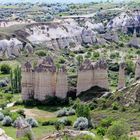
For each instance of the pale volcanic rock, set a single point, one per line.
(121, 79)
(27, 81)
(61, 83)
(92, 74)
(85, 77)
(44, 78)
(101, 74)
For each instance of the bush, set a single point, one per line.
(14, 115)
(58, 126)
(40, 53)
(71, 111)
(1, 116)
(32, 122)
(62, 112)
(21, 112)
(81, 123)
(65, 121)
(117, 130)
(83, 110)
(5, 69)
(115, 106)
(130, 67)
(101, 131)
(65, 112)
(61, 60)
(106, 122)
(7, 121)
(6, 112)
(48, 123)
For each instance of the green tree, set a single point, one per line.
(15, 78)
(83, 110)
(5, 69)
(79, 59)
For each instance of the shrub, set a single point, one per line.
(40, 53)
(58, 126)
(106, 122)
(7, 121)
(32, 122)
(114, 55)
(21, 112)
(48, 123)
(83, 110)
(130, 67)
(62, 112)
(65, 112)
(5, 69)
(117, 130)
(115, 106)
(81, 123)
(101, 131)
(65, 121)
(61, 60)
(14, 115)
(6, 112)
(71, 111)
(1, 116)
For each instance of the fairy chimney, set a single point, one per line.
(44, 79)
(61, 83)
(101, 74)
(121, 78)
(27, 81)
(85, 76)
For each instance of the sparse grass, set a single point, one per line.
(39, 132)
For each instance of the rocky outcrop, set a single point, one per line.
(43, 80)
(61, 83)
(44, 84)
(97, 27)
(135, 42)
(13, 48)
(101, 74)
(60, 35)
(121, 79)
(27, 81)
(112, 37)
(92, 74)
(69, 133)
(85, 77)
(23, 128)
(127, 21)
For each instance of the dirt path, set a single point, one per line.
(39, 113)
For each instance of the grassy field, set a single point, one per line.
(39, 132)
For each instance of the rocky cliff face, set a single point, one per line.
(127, 21)
(64, 34)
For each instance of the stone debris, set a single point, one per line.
(69, 133)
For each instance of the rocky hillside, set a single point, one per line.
(127, 96)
